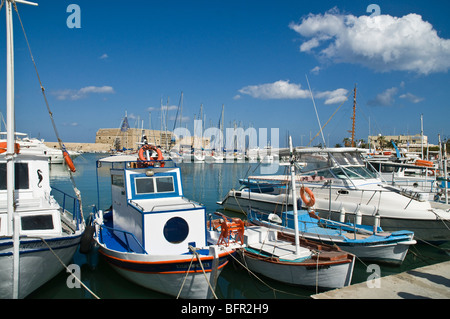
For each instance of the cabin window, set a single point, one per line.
(40, 222)
(117, 180)
(176, 230)
(144, 185)
(150, 185)
(21, 176)
(164, 184)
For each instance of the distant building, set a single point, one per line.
(129, 139)
(411, 142)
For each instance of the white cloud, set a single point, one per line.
(277, 90)
(386, 98)
(383, 42)
(104, 56)
(315, 70)
(286, 90)
(411, 97)
(333, 97)
(82, 93)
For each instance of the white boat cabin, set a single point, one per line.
(149, 203)
(37, 209)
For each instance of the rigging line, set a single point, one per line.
(242, 251)
(61, 145)
(330, 118)
(317, 115)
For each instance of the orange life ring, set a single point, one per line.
(4, 145)
(308, 202)
(151, 160)
(69, 161)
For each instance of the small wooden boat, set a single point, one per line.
(293, 260)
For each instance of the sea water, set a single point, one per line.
(205, 183)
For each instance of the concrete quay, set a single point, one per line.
(429, 282)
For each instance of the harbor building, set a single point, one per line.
(118, 139)
(410, 142)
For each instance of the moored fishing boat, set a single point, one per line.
(38, 237)
(153, 235)
(366, 242)
(294, 260)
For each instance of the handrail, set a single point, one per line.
(76, 208)
(126, 236)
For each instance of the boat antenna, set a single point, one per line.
(317, 115)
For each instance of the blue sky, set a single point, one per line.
(251, 56)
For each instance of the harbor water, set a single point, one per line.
(205, 183)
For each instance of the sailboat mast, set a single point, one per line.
(10, 117)
(13, 221)
(354, 118)
(294, 198)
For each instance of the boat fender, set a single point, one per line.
(358, 217)
(376, 223)
(69, 161)
(342, 215)
(308, 202)
(88, 237)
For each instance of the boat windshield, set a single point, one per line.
(342, 165)
(353, 172)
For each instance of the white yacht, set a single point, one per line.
(344, 187)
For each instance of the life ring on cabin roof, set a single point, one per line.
(150, 160)
(308, 202)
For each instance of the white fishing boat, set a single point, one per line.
(38, 237)
(340, 182)
(153, 235)
(369, 243)
(294, 260)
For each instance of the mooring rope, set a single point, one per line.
(196, 254)
(62, 263)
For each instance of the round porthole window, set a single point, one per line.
(176, 230)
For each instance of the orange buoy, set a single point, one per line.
(69, 161)
(308, 202)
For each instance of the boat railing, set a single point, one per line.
(69, 204)
(130, 242)
(307, 225)
(134, 164)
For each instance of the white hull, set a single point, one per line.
(335, 276)
(142, 270)
(37, 263)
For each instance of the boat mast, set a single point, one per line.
(353, 118)
(13, 221)
(294, 198)
(10, 118)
